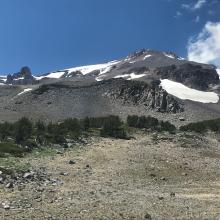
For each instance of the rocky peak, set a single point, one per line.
(23, 77)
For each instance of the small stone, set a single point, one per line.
(9, 185)
(28, 175)
(64, 173)
(1, 180)
(160, 197)
(59, 152)
(163, 178)
(182, 119)
(72, 162)
(184, 174)
(148, 216)
(5, 206)
(172, 194)
(152, 175)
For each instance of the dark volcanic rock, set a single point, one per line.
(24, 77)
(140, 93)
(195, 76)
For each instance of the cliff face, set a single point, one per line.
(139, 93)
(24, 77)
(195, 76)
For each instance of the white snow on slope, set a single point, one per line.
(25, 91)
(186, 93)
(130, 76)
(122, 76)
(169, 55)
(55, 75)
(218, 71)
(104, 68)
(3, 78)
(136, 76)
(147, 56)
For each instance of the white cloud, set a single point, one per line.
(178, 14)
(193, 7)
(199, 4)
(197, 19)
(205, 48)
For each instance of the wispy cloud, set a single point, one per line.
(197, 19)
(193, 7)
(205, 47)
(199, 4)
(178, 14)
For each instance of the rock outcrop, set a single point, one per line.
(152, 96)
(24, 77)
(192, 75)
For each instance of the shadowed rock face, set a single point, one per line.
(195, 76)
(139, 93)
(24, 77)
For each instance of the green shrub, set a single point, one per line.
(11, 149)
(22, 130)
(203, 126)
(112, 126)
(149, 123)
(167, 126)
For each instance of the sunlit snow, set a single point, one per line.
(130, 76)
(24, 91)
(218, 71)
(186, 93)
(169, 55)
(147, 56)
(104, 68)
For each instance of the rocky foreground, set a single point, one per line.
(151, 176)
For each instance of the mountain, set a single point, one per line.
(145, 82)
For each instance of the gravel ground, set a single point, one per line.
(151, 176)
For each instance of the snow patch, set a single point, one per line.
(136, 76)
(3, 78)
(55, 75)
(181, 58)
(122, 76)
(186, 93)
(169, 55)
(103, 68)
(147, 56)
(218, 71)
(130, 76)
(25, 91)
(21, 78)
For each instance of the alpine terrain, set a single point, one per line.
(133, 138)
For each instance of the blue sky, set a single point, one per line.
(48, 35)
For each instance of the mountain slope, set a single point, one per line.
(145, 82)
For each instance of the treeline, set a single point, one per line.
(203, 126)
(26, 132)
(150, 123)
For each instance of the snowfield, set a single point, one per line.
(218, 71)
(104, 68)
(130, 76)
(25, 91)
(147, 56)
(55, 75)
(186, 93)
(169, 56)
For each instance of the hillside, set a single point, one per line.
(146, 82)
